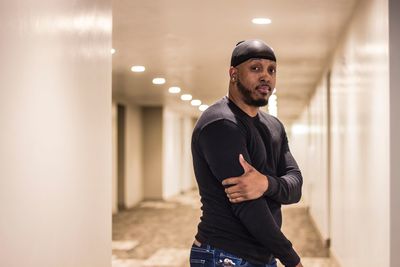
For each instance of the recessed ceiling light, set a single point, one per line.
(195, 102)
(138, 68)
(158, 81)
(186, 97)
(174, 90)
(113, 51)
(261, 21)
(203, 107)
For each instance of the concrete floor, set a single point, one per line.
(160, 234)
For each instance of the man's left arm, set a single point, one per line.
(284, 188)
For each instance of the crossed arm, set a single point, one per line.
(284, 189)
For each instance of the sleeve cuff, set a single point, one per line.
(272, 186)
(292, 260)
(293, 263)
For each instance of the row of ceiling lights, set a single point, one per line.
(172, 89)
(177, 90)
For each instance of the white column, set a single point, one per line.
(394, 59)
(152, 131)
(55, 138)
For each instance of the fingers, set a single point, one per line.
(236, 197)
(245, 165)
(230, 181)
(233, 189)
(235, 180)
(237, 200)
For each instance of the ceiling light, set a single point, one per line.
(158, 81)
(112, 51)
(203, 107)
(174, 90)
(186, 97)
(195, 102)
(261, 21)
(138, 68)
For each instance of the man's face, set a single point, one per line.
(256, 80)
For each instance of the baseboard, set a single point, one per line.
(333, 259)
(326, 242)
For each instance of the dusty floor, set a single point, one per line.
(159, 234)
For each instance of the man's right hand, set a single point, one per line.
(250, 185)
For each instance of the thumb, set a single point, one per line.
(246, 166)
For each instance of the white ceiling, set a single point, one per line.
(189, 43)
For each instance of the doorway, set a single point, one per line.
(121, 115)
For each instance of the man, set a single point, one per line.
(244, 170)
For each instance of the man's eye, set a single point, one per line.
(272, 70)
(256, 68)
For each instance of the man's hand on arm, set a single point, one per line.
(250, 185)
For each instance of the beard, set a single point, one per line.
(248, 98)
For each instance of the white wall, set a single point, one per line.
(133, 166)
(394, 36)
(152, 131)
(172, 153)
(133, 156)
(114, 188)
(359, 142)
(55, 138)
(309, 143)
(187, 180)
(158, 162)
(177, 164)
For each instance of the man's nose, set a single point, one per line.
(265, 76)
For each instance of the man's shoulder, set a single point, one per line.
(219, 116)
(217, 112)
(271, 122)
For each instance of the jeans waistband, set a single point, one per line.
(209, 247)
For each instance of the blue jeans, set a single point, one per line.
(208, 256)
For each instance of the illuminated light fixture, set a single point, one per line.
(138, 68)
(174, 90)
(203, 107)
(186, 97)
(158, 81)
(262, 21)
(112, 51)
(273, 98)
(299, 129)
(273, 104)
(195, 102)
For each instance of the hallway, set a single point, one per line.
(159, 234)
(99, 100)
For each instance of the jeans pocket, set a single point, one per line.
(226, 260)
(273, 263)
(201, 257)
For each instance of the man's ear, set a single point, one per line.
(233, 73)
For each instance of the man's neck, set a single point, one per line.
(249, 110)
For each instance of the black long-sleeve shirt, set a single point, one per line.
(250, 229)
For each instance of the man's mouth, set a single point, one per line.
(264, 89)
